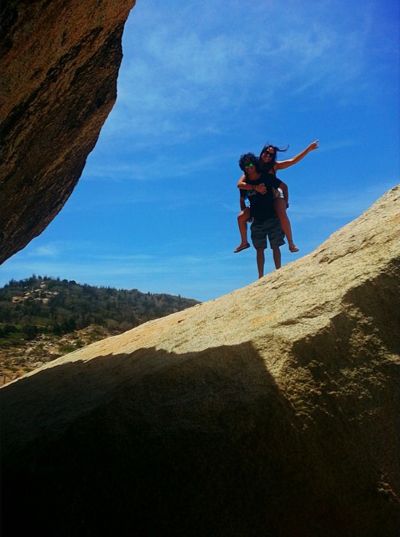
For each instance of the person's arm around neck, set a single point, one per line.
(242, 185)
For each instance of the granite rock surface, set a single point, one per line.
(271, 411)
(59, 63)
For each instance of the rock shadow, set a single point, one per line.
(162, 444)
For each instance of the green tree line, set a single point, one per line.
(41, 304)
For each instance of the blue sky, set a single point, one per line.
(200, 84)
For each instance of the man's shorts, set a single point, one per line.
(271, 228)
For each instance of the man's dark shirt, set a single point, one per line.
(262, 205)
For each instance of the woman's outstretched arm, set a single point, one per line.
(281, 165)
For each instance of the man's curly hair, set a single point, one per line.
(248, 158)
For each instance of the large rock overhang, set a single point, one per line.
(59, 63)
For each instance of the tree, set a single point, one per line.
(30, 331)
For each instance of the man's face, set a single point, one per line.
(268, 155)
(250, 169)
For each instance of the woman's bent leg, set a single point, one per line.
(280, 209)
(243, 218)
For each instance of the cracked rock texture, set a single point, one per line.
(59, 63)
(271, 411)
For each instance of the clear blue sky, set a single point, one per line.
(200, 84)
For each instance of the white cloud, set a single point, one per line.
(46, 250)
(347, 204)
(263, 53)
(177, 274)
(159, 167)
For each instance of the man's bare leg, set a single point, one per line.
(277, 257)
(261, 261)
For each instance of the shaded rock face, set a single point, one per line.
(59, 63)
(272, 411)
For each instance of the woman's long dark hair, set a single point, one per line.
(267, 167)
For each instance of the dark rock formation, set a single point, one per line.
(272, 411)
(59, 63)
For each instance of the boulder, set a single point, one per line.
(271, 411)
(59, 63)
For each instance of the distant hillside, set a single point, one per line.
(42, 318)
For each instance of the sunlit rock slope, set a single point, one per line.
(59, 63)
(272, 411)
